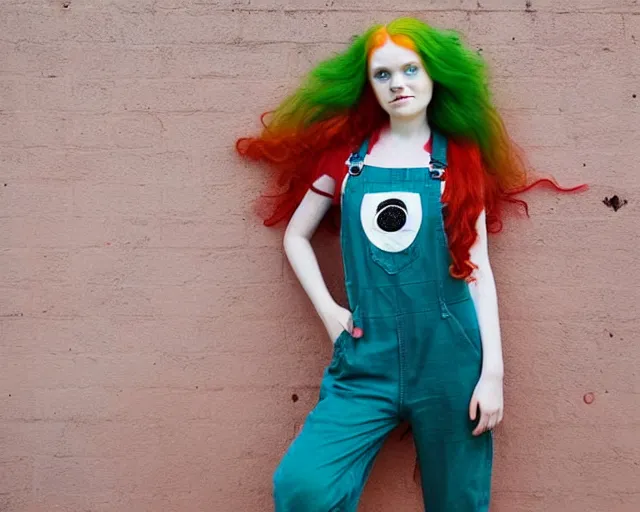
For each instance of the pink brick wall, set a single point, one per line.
(152, 335)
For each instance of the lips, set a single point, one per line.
(401, 98)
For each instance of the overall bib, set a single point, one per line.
(418, 361)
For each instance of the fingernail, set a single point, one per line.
(357, 332)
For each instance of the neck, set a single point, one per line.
(409, 128)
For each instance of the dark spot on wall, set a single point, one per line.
(5, 184)
(294, 398)
(66, 5)
(9, 394)
(584, 165)
(607, 49)
(197, 387)
(527, 6)
(614, 202)
(634, 96)
(513, 38)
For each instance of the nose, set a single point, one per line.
(396, 84)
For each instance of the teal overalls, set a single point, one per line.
(419, 359)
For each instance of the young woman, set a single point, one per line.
(400, 133)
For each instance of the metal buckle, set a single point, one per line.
(436, 173)
(354, 169)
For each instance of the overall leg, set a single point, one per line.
(326, 466)
(455, 465)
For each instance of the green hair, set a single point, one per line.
(461, 106)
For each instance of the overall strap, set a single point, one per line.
(355, 162)
(438, 156)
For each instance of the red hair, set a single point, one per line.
(470, 187)
(295, 155)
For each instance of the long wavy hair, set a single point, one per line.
(335, 109)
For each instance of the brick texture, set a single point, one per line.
(153, 335)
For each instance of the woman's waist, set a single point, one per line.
(389, 300)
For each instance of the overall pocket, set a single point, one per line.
(391, 222)
(336, 366)
(393, 262)
(464, 323)
(341, 348)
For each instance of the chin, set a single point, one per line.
(402, 113)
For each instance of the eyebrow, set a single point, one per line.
(410, 63)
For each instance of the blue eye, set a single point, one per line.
(411, 70)
(383, 74)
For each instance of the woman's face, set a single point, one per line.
(400, 81)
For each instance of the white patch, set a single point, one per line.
(391, 241)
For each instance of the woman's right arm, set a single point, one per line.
(297, 246)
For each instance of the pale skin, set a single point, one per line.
(403, 89)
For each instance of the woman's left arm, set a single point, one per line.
(488, 392)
